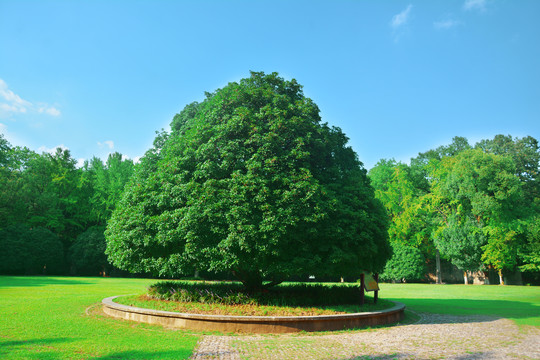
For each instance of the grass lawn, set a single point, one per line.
(518, 303)
(45, 318)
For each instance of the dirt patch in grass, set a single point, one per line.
(143, 301)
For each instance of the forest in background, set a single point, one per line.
(52, 214)
(474, 206)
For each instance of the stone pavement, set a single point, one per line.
(435, 336)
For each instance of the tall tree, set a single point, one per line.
(462, 241)
(396, 188)
(251, 181)
(483, 187)
(529, 252)
(108, 182)
(51, 193)
(13, 205)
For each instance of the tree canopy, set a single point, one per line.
(478, 206)
(46, 200)
(250, 181)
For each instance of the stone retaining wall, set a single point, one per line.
(253, 324)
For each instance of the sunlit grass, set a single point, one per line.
(45, 318)
(518, 303)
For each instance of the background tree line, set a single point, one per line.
(53, 214)
(477, 207)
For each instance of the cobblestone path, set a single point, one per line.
(433, 337)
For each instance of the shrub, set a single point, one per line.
(232, 293)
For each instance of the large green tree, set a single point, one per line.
(107, 183)
(396, 186)
(250, 181)
(478, 199)
(52, 197)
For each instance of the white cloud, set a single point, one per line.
(136, 159)
(12, 138)
(7, 108)
(12, 98)
(80, 163)
(401, 18)
(51, 110)
(475, 5)
(11, 103)
(52, 150)
(445, 24)
(108, 143)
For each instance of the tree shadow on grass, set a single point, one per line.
(14, 343)
(31, 349)
(472, 310)
(12, 349)
(33, 281)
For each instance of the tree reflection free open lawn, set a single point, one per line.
(45, 318)
(518, 303)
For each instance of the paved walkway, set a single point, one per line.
(433, 337)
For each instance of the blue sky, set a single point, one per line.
(398, 77)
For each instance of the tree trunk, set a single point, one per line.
(362, 287)
(501, 279)
(438, 264)
(252, 281)
(465, 277)
(376, 295)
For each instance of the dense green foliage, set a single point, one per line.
(462, 242)
(286, 294)
(407, 263)
(87, 254)
(46, 203)
(30, 251)
(478, 206)
(250, 181)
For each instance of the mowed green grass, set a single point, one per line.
(45, 318)
(518, 303)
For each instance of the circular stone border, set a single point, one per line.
(253, 324)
